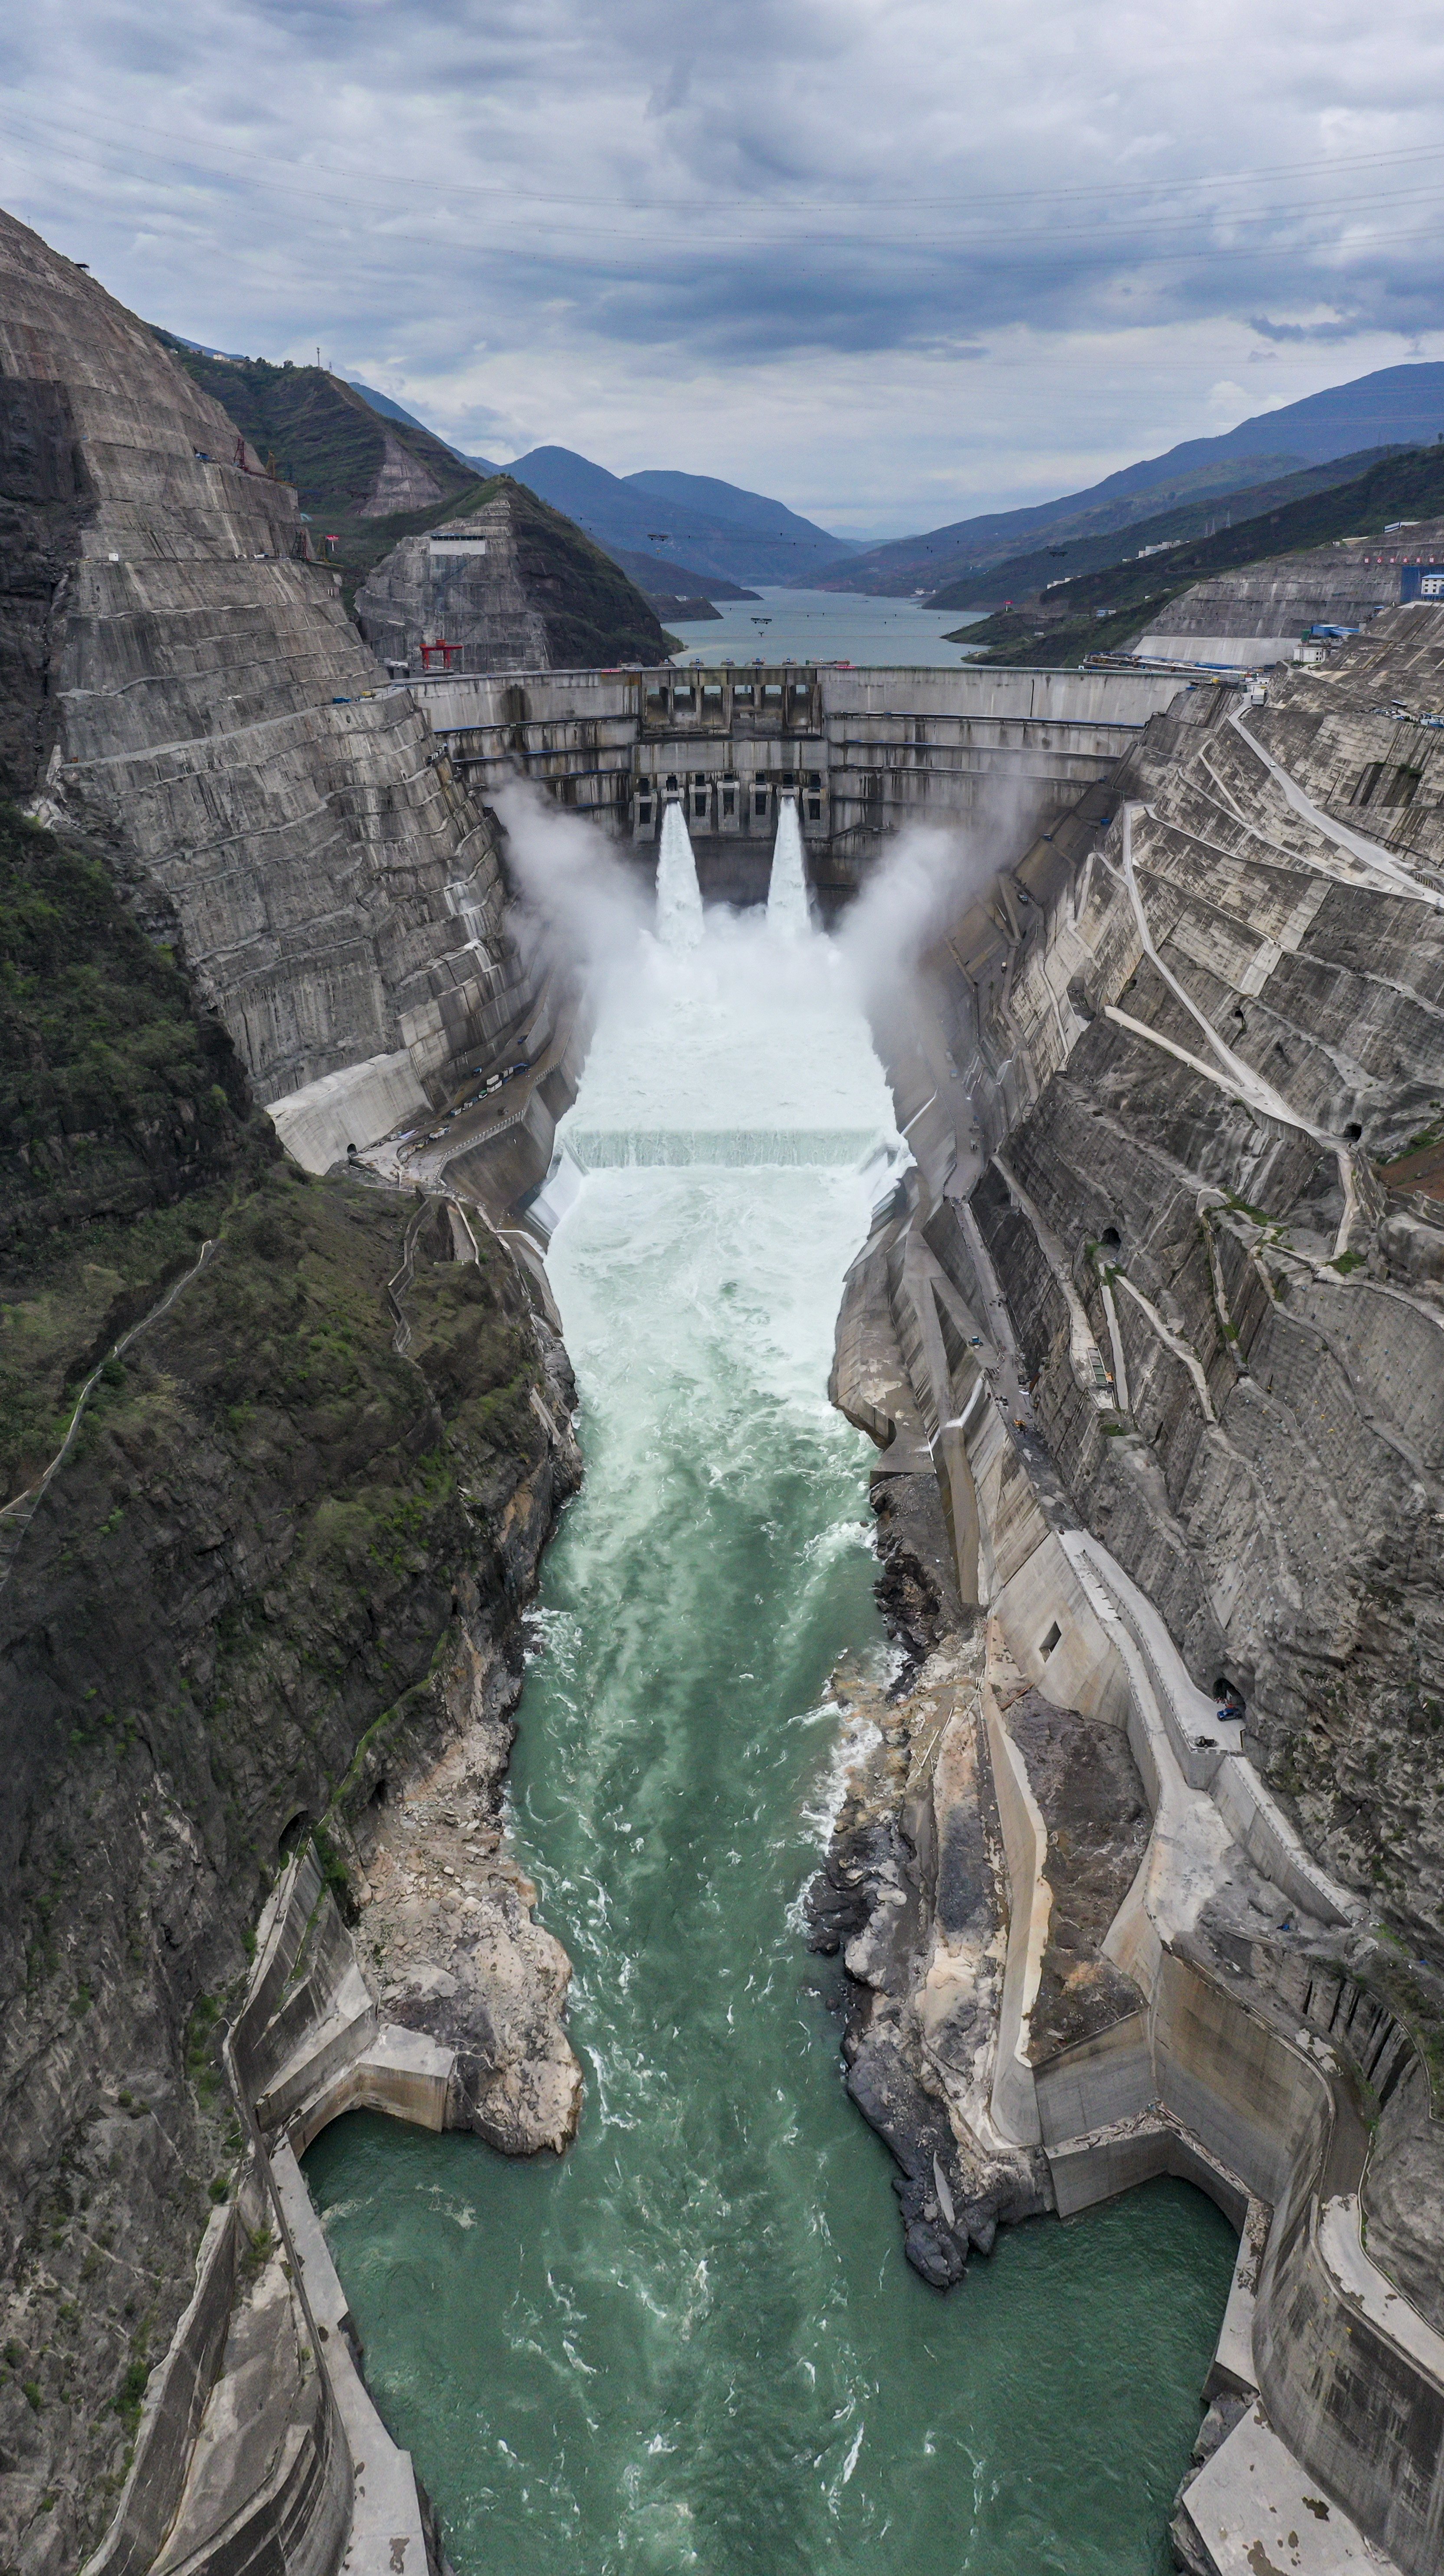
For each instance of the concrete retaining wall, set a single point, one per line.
(174, 2404)
(305, 2046)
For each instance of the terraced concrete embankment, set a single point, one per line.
(1174, 1355)
(178, 677)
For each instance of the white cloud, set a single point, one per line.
(891, 259)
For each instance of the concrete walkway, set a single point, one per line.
(1257, 2513)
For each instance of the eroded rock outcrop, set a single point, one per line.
(512, 586)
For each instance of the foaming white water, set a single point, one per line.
(679, 897)
(787, 887)
(746, 1033)
(617, 1149)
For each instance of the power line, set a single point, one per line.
(1109, 190)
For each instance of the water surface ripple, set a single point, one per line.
(694, 2343)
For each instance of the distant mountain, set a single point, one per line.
(664, 578)
(176, 340)
(1018, 577)
(739, 508)
(742, 536)
(652, 568)
(1106, 611)
(369, 480)
(1395, 407)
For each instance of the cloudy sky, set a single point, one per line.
(892, 260)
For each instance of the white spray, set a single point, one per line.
(679, 897)
(787, 890)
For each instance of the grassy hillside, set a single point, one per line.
(1103, 611)
(322, 434)
(325, 438)
(234, 1611)
(593, 614)
(125, 1128)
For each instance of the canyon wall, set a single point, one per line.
(512, 586)
(1154, 1339)
(271, 1589)
(280, 1457)
(180, 681)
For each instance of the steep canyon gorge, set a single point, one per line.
(1133, 1846)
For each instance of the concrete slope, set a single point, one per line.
(1277, 602)
(1162, 1352)
(182, 681)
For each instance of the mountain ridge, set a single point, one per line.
(625, 511)
(1105, 611)
(1392, 407)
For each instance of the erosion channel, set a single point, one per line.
(694, 2342)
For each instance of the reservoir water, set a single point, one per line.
(693, 2343)
(825, 626)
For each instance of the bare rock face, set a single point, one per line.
(447, 1934)
(1221, 1036)
(510, 586)
(1161, 1310)
(179, 679)
(913, 1893)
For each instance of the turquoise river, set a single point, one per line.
(693, 2343)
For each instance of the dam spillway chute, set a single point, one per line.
(679, 896)
(787, 888)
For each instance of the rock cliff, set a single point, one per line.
(1164, 1315)
(513, 586)
(182, 684)
(280, 1456)
(273, 1588)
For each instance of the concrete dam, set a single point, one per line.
(405, 2170)
(862, 753)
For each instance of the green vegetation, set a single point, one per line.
(594, 614)
(1073, 552)
(1103, 612)
(323, 436)
(203, 2041)
(124, 1128)
(318, 432)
